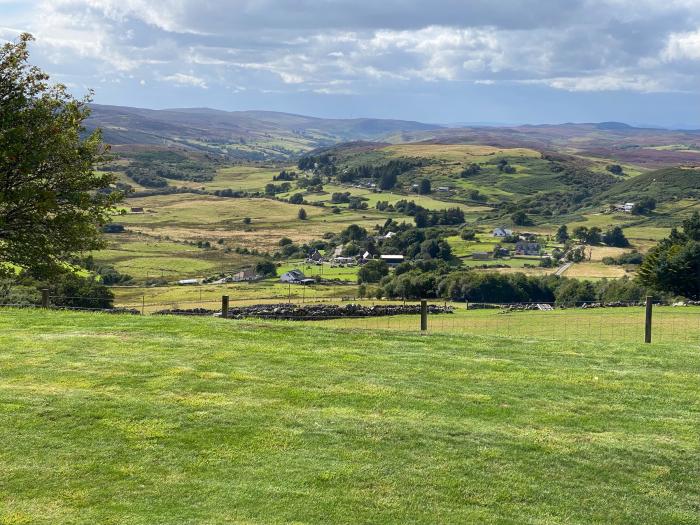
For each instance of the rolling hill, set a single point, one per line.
(251, 135)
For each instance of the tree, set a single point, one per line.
(673, 265)
(615, 169)
(472, 169)
(562, 234)
(424, 187)
(52, 202)
(302, 214)
(297, 198)
(372, 271)
(266, 268)
(421, 218)
(468, 234)
(594, 235)
(616, 237)
(581, 233)
(80, 292)
(247, 220)
(520, 218)
(388, 180)
(644, 206)
(572, 291)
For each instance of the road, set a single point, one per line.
(562, 269)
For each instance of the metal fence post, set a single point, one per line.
(45, 298)
(423, 315)
(647, 320)
(224, 306)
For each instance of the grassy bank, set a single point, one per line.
(141, 420)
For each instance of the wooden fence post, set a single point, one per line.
(647, 320)
(423, 315)
(224, 306)
(45, 298)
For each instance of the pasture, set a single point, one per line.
(135, 420)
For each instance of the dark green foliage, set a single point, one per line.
(266, 268)
(468, 234)
(302, 214)
(644, 206)
(297, 198)
(80, 292)
(633, 257)
(472, 169)
(674, 264)
(50, 206)
(615, 169)
(615, 237)
(520, 218)
(591, 235)
(562, 234)
(372, 271)
(424, 186)
(572, 292)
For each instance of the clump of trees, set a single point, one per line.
(674, 264)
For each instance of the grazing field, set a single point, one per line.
(133, 420)
(203, 217)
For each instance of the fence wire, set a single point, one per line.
(543, 321)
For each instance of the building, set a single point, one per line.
(366, 256)
(315, 256)
(344, 260)
(502, 232)
(188, 282)
(480, 256)
(293, 276)
(244, 275)
(443, 188)
(392, 259)
(527, 248)
(137, 210)
(625, 207)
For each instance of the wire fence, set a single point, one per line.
(591, 322)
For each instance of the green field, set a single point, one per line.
(141, 420)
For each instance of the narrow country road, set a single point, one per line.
(563, 268)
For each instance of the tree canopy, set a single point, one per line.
(52, 202)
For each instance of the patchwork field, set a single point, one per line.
(133, 420)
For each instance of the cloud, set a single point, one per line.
(182, 79)
(275, 45)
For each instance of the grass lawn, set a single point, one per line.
(142, 420)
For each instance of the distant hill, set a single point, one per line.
(252, 135)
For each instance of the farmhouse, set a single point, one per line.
(188, 282)
(344, 260)
(527, 248)
(366, 256)
(502, 232)
(244, 275)
(292, 276)
(443, 188)
(392, 259)
(315, 256)
(626, 207)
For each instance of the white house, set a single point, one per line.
(502, 232)
(292, 276)
(188, 282)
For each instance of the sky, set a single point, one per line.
(438, 61)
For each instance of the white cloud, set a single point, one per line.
(183, 79)
(683, 46)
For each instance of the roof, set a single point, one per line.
(188, 281)
(295, 274)
(385, 257)
(502, 231)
